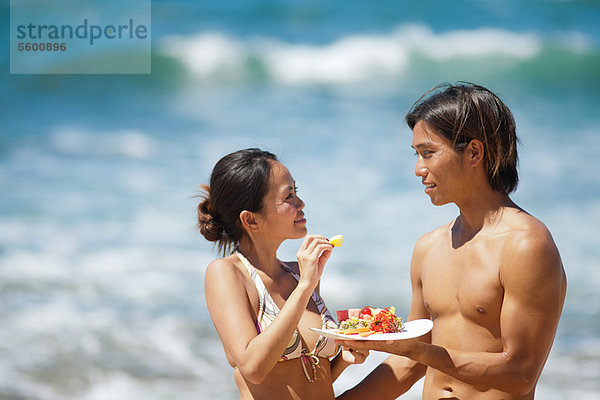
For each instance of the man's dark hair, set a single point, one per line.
(466, 111)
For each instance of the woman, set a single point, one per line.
(263, 308)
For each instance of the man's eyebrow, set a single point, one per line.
(421, 145)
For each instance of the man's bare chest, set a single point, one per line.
(463, 282)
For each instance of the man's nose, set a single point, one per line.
(420, 169)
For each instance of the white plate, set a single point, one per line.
(410, 329)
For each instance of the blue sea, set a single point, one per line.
(101, 267)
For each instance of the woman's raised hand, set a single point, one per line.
(312, 256)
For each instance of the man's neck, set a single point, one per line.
(479, 211)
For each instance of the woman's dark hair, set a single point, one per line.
(239, 181)
(465, 112)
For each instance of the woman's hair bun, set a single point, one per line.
(210, 226)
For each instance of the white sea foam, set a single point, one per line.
(97, 331)
(575, 41)
(472, 43)
(130, 143)
(207, 54)
(349, 59)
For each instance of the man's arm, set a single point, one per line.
(534, 290)
(397, 374)
(390, 379)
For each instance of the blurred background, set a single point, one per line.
(101, 268)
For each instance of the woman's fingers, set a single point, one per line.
(313, 246)
(312, 256)
(306, 243)
(326, 252)
(315, 241)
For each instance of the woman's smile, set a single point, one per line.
(300, 219)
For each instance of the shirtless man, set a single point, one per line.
(491, 280)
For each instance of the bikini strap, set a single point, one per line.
(315, 296)
(265, 302)
(245, 261)
(326, 320)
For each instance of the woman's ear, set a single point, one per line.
(249, 221)
(475, 152)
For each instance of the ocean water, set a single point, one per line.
(101, 268)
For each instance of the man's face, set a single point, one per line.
(439, 166)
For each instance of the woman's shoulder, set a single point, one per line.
(223, 268)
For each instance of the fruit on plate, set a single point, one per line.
(368, 320)
(343, 315)
(337, 240)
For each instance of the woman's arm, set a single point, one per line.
(231, 311)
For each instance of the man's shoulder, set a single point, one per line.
(530, 243)
(522, 227)
(434, 237)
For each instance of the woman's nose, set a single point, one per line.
(300, 204)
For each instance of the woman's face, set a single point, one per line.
(282, 215)
(439, 166)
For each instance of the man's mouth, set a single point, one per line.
(429, 187)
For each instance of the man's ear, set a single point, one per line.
(475, 152)
(248, 220)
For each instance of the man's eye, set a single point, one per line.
(423, 153)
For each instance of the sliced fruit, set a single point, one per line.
(337, 240)
(353, 312)
(342, 315)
